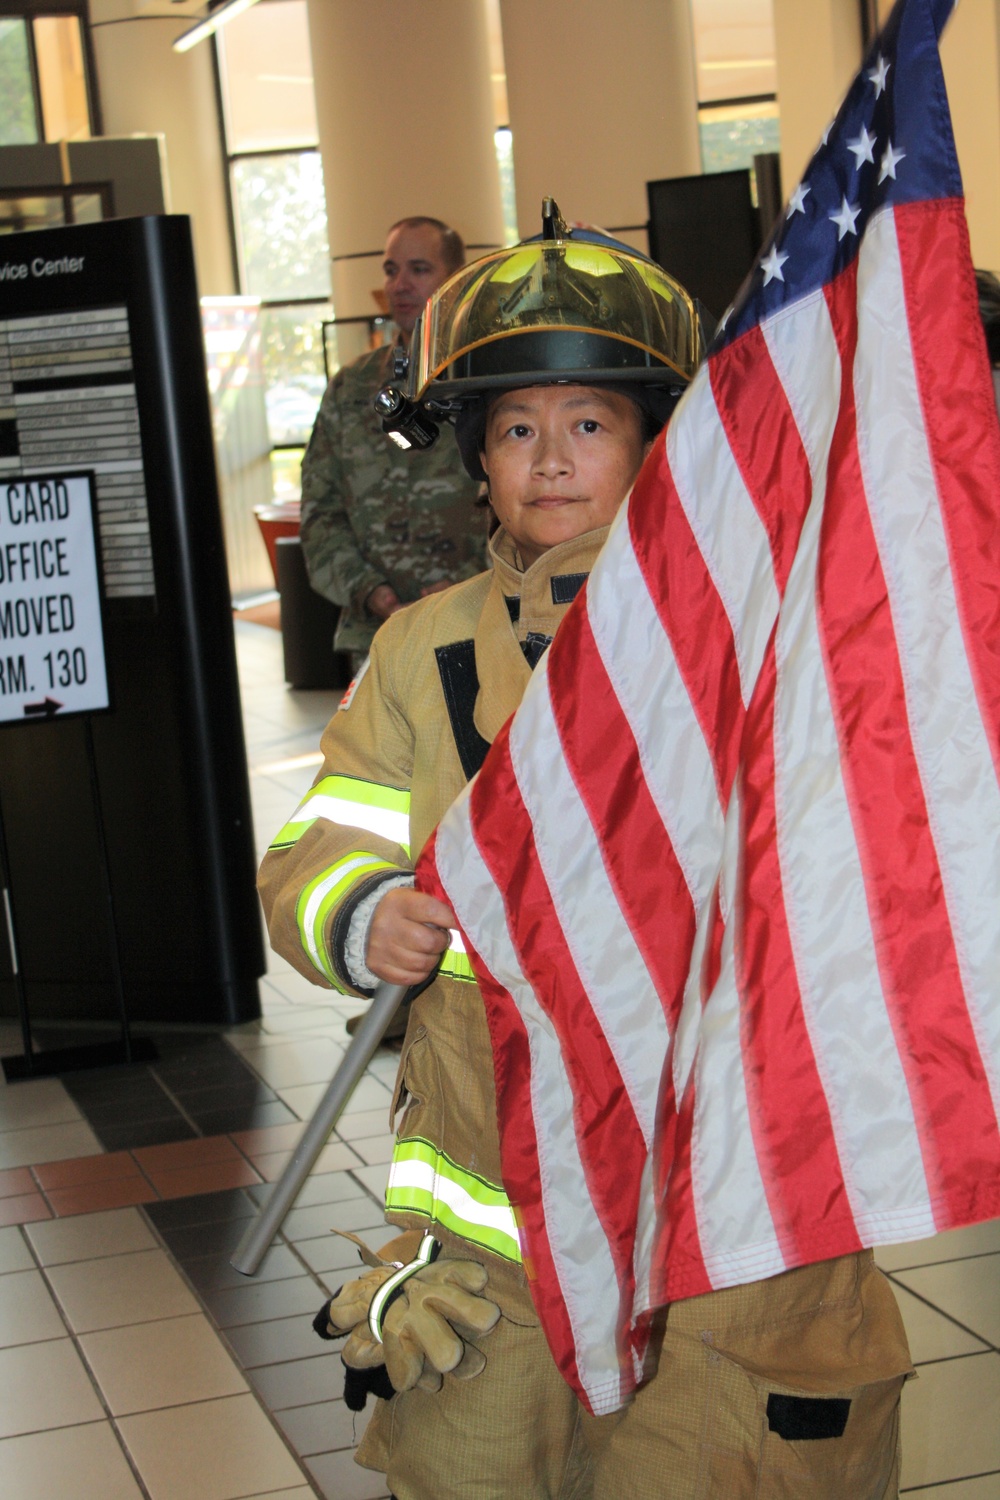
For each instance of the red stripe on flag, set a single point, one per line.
(956, 387)
(503, 832)
(603, 760)
(919, 972)
(518, 1143)
(795, 1146)
(690, 611)
(764, 439)
(679, 1268)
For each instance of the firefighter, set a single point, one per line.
(559, 360)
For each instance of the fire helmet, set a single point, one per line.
(571, 306)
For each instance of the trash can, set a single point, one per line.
(307, 625)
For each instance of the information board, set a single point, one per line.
(51, 637)
(68, 400)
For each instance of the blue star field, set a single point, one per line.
(891, 143)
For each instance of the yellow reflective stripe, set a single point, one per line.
(423, 1180)
(351, 803)
(456, 964)
(317, 900)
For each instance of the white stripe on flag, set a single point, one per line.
(583, 1261)
(735, 1228)
(949, 740)
(607, 960)
(849, 1026)
(639, 660)
(738, 554)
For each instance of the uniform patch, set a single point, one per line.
(348, 697)
(807, 1418)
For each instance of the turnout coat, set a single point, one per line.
(443, 677)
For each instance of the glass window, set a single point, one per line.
(61, 79)
(31, 213)
(88, 208)
(293, 368)
(281, 225)
(18, 123)
(266, 71)
(732, 136)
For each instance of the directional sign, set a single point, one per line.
(51, 638)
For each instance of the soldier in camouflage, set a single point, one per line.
(380, 526)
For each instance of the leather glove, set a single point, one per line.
(427, 1326)
(425, 1321)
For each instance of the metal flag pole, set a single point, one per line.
(359, 1054)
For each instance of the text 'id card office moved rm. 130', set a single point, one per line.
(51, 638)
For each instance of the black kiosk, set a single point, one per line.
(102, 375)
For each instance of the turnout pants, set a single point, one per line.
(787, 1389)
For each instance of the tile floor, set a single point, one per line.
(135, 1362)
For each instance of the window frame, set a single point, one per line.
(37, 10)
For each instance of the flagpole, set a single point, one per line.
(372, 1028)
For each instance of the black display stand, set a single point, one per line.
(102, 368)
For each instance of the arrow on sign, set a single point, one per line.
(48, 708)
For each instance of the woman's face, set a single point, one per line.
(560, 461)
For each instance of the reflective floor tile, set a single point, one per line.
(300, 1382)
(27, 1312)
(220, 1450)
(45, 1385)
(340, 1478)
(356, 1215)
(978, 1239)
(322, 1187)
(22, 1148)
(294, 1063)
(324, 1427)
(152, 1365)
(213, 1272)
(969, 1290)
(265, 1301)
(282, 1339)
(365, 1122)
(984, 1487)
(951, 1420)
(36, 1101)
(138, 1288)
(14, 1253)
(931, 1335)
(75, 1463)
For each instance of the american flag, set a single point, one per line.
(730, 878)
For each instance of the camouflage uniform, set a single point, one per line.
(372, 513)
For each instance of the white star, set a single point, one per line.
(826, 133)
(771, 265)
(877, 74)
(845, 219)
(724, 319)
(862, 148)
(797, 202)
(890, 161)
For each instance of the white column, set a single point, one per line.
(970, 52)
(818, 50)
(404, 109)
(602, 100)
(146, 88)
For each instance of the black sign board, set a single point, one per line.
(102, 370)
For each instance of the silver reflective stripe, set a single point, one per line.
(425, 1181)
(381, 820)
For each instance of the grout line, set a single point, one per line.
(91, 1376)
(990, 1346)
(220, 1334)
(920, 1489)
